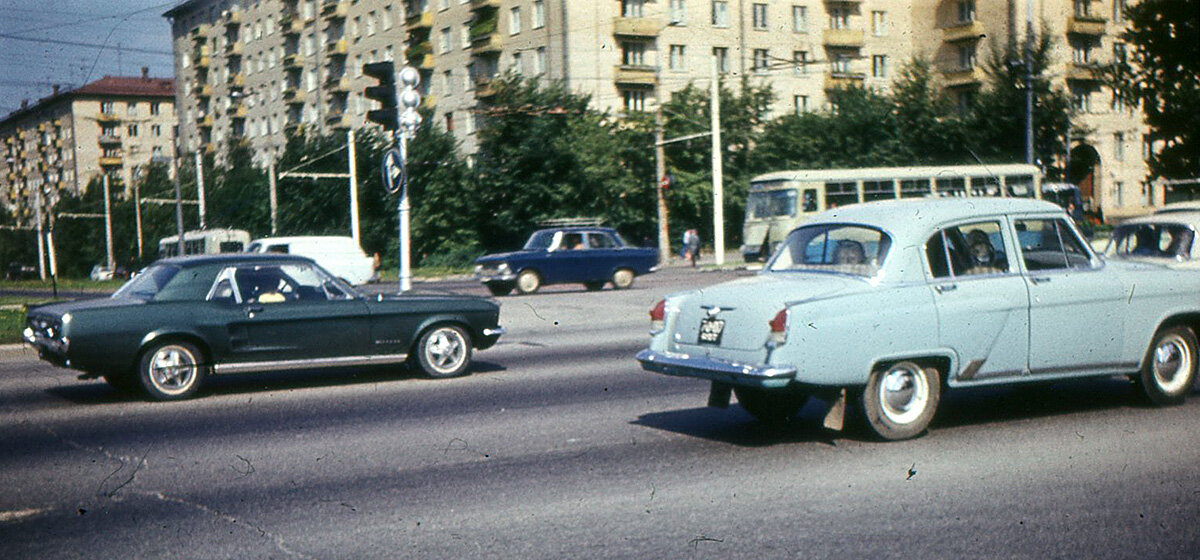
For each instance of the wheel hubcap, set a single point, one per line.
(903, 395)
(445, 350)
(528, 282)
(1172, 363)
(172, 370)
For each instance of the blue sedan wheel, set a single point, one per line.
(899, 401)
(171, 371)
(444, 351)
(528, 282)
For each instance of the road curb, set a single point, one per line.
(16, 351)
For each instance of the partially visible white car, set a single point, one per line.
(1165, 238)
(340, 255)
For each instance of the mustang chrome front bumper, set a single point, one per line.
(686, 365)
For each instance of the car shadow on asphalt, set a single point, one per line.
(99, 393)
(959, 408)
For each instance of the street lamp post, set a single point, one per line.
(409, 121)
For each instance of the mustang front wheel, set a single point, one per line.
(1170, 366)
(171, 371)
(444, 351)
(899, 401)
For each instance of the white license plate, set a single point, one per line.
(710, 331)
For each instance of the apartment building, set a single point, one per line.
(55, 146)
(249, 69)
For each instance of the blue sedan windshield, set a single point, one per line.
(540, 241)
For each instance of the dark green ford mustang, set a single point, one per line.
(182, 319)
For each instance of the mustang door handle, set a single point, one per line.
(1039, 279)
(943, 288)
(253, 309)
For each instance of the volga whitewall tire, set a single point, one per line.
(171, 370)
(444, 351)
(900, 400)
(1169, 371)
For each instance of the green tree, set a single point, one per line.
(1162, 73)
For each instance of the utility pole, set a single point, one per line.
(41, 242)
(137, 216)
(178, 196)
(272, 197)
(1029, 82)
(660, 183)
(108, 237)
(353, 172)
(200, 185)
(718, 179)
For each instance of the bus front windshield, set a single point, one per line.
(840, 248)
(771, 204)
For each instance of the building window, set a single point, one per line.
(1119, 146)
(444, 42)
(1083, 8)
(633, 53)
(131, 108)
(386, 21)
(539, 14)
(800, 104)
(800, 19)
(839, 17)
(879, 67)
(154, 108)
(722, 56)
(108, 130)
(966, 56)
(677, 58)
(514, 21)
(371, 24)
(678, 12)
(800, 61)
(106, 107)
(539, 62)
(155, 130)
(516, 64)
(759, 15)
(131, 131)
(633, 100)
(966, 11)
(633, 8)
(1081, 51)
(447, 84)
(720, 13)
(762, 59)
(879, 23)
(1118, 11)
(449, 122)
(840, 64)
(1081, 98)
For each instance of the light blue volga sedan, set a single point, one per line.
(889, 304)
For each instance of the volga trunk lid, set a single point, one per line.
(745, 318)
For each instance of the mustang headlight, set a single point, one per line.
(66, 319)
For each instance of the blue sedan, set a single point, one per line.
(592, 256)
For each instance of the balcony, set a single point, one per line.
(631, 75)
(843, 80)
(1083, 72)
(337, 48)
(335, 9)
(111, 161)
(204, 91)
(200, 30)
(637, 27)
(294, 26)
(484, 86)
(966, 31)
(960, 77)
(843, 38)
(107, 118)
(237, 111)
(1086, 25)
(234, 48)
(337, 119)
(477, 5)
(110, 140)
(293, 61)
(486, 44)
(337, 85)
(205, 121)
(237, 81)
(233, 18)
(292, 96)
(426, 62)
(422, 21)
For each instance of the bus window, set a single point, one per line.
(231, 247)
(771, 204)
(810, 200)
(878, 190)
(1019, 185)
(914, 188)
(955, 186)
(985, 186)
(840, 194)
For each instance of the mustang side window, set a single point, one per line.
(967, 250)
(1050, 244)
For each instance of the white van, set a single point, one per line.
(341, 256)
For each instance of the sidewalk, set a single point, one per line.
(10, 352)
(707, 260)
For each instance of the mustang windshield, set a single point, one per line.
(147, 284)
(841, 248)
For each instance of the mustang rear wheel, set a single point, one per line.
(171, 371)
(899, 401)
(622, 279)
(770, 406)
(444, 351)
(528, 282)
(1170, 366)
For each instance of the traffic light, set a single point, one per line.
(384, 93)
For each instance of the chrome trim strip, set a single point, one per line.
(687, 365)
(241, 367)
(498, 331)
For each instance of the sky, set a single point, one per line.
(73, 42)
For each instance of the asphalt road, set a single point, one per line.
(559, 446)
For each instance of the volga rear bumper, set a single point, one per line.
(686, 365)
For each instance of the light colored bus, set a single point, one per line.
(205, 242)
(778, 202)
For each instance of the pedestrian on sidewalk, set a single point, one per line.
(691, 246)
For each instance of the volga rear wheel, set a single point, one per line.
(900, 400)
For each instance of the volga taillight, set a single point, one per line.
(658, 317)
(779, 327)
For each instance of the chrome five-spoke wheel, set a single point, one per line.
(171, 370)
(444, 351)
